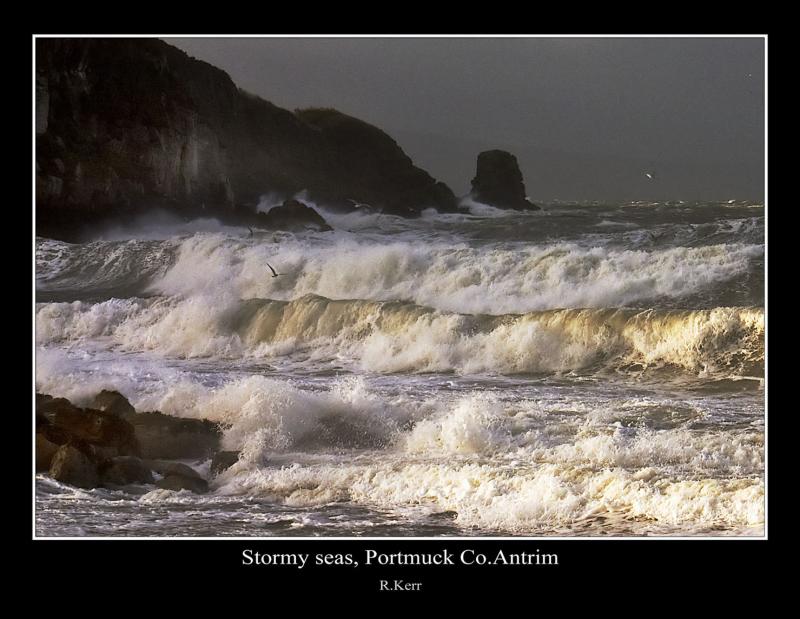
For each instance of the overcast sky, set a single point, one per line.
(587, 117)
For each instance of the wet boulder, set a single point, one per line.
(198, 485)
(164, 437)
(62, 422)
(292, 215)
(498, 182)
(124, 470)
(165, 468)
(104, 430)
(45, 450)
(223, 460)
(47, 406)
(73, 466)
(113, 402)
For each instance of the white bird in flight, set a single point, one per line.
(649, 175)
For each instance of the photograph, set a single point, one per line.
(433, 287)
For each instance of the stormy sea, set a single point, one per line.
(583, 370)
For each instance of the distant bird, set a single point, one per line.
(360, 206)
(650, 175)
(251, 230)
(274, 274)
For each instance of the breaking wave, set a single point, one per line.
(456, 277)
(404, 337)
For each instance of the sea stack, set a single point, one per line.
(498, 182)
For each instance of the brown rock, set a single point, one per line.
(180, 482)
(124, 470)
(113, 402)
(104, 430)
(62, 422)
(173, 438)
(172, 468)
(223, 460)
(45, 450)
(72, 466)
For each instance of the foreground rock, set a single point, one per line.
(113, 402)
(498, 182)
(60, 422)
(171, 438)
(124, 470)
(197, 485)
(45, 450)
(292, 215)
(73, 466)
(162, 467)
(222, 461)
(89, 448)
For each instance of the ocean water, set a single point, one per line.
(588, 369)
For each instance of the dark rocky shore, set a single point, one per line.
(111, 445)
(124, 126)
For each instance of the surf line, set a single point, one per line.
(297, 560)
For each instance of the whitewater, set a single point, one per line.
(587, 369)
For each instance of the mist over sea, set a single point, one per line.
(587, 369)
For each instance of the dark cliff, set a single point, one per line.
(124, 125)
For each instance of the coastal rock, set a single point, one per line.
(127, 125)
(171, 468)
(162, 436)
(113, 402)
(124, 470)
(223, 460)
(292, 215)
(498, 182)
(103, 430)
(181, 482)
(72, 466)
(45, 450)
(62, 422)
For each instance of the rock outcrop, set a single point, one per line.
(163, 436)
(222, 461)
(60, 422)
(73, 466)
(45, 450)
(292, 215)
(87, 448)
(113, 402)
(498, 182)
(126, 125)
(166, 468)
(124, 470)
(181, 482)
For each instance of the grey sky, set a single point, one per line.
(586, 117)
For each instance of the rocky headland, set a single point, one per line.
(125, 126)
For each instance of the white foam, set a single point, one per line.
(451, 276)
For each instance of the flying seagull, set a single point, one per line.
(650, 175)
(274, 274)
